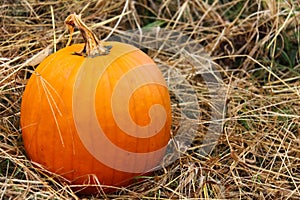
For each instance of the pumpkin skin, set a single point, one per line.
(102, 119)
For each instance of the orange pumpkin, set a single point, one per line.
(102, 115)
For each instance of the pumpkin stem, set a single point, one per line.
(93, 46)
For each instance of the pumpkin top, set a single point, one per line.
(93, 46)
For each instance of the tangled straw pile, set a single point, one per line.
(256, 46)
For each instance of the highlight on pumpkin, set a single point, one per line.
(102, 114)
(128, 115)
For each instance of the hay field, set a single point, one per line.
(255, 46)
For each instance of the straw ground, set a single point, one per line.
(255, 45)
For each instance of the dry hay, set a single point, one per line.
(255, 45)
